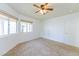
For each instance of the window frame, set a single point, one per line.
(27, 27)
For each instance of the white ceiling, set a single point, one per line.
(60, 9)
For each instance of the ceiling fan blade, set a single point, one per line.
(36, 5)
(37, 11)
(46, 3)
(50, 9)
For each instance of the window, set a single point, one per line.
(29, 27)
(1, 29)
(26, 26)
(3, 25)
(7, 25)
(12, 25)
(23, 27)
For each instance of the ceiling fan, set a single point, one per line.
(43, 8)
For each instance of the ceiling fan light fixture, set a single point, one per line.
(43, 11)
(43, 8)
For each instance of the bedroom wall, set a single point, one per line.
(9, 41)
(63, 29)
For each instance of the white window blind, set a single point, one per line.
(3, 25)
(12, 25)
(7, 24)
(23, 27)
(26, 26)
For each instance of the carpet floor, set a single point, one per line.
(43, 47)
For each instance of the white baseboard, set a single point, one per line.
(75, 45)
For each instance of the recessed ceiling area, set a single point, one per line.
(60, 9)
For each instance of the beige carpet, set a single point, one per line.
(43, 47)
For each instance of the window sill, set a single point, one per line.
(3, 36)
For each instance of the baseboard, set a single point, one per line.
(17, 44)
(59, 41)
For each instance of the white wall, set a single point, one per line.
(8, 42)
(64, 29)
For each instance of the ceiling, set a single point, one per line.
(60, 9)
